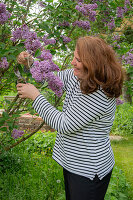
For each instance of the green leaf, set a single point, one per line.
(3, 129)
(37, 53)
(63, 47)
(5, 115)
(2, 45)
(50, 1)
(53, 51)
(2, 121)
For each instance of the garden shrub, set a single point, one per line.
(123, 123)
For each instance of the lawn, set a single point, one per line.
(123, 152)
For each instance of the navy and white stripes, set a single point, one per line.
(82, 145)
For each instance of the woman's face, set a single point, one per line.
(77, 65)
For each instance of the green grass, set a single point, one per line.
(123, 152)
(31, 177)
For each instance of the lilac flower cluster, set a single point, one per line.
(128, 58)
(122, 10)
(3, 63)
(116, 37)
(4, 14)
(55, 84)
(66, 39)
(127, 5)
(32, 42)
(111, 24)
(87, 10)
(45, 55)
(64, 24)
(119, 101)
(48, 41)
(43, 70)
(82, 24)
(17, 133)
(115, 40)
(106, 15)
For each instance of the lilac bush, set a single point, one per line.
(4, 14)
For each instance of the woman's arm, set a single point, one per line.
(86, 109)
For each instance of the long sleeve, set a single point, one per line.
(85, 110)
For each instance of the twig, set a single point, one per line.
(12, 104)
(24, 138)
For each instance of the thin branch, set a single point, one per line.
(12, 104)
(16, 107)
(28, 6)
(24, 138)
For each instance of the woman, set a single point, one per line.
(82, 144)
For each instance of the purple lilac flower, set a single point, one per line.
(87, 10)
(20, 33)
(66, 39)
(45, 55)
(48, 41)
(119, 101)
(111, 24)
(127, 5)
(116, 37)
(82, 24)
(106, 15)
(64, 24)
(120, 12)
(17, 133)
(32, 45)
(128, 58)
(36, 73)
(43, 71)
(114, 44)
(92, 15)
(3, 63)
(54, 67)
(4, 14)
(54, 83)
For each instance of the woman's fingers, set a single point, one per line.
(21, 59)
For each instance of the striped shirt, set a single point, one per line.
(82, 144)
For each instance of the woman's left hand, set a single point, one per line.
(27, 91)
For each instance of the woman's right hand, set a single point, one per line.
(23, 58)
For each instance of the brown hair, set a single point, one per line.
(101, 67)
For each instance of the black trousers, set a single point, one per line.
(82, 188)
